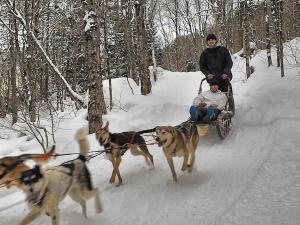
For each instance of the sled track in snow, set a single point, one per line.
(249, 184)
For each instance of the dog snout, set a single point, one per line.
(157, 139)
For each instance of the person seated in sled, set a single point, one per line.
(208, 104)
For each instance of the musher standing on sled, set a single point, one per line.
(216, 63)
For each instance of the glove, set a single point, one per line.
(202, 104)
(224, 76)
(210, 76)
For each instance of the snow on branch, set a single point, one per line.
(89, 20)
(16, 13)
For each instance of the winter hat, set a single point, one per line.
(214, 82)
(211, 36)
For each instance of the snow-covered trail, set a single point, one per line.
(252, 177)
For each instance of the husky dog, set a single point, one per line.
(45, 189)
(116, 144)
(180, 141)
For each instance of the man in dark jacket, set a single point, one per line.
(216, 63)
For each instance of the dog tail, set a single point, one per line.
(83, 142)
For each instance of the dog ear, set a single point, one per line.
(173, 131)
(52, 150)
(106, 126)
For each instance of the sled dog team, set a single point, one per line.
(45, 188)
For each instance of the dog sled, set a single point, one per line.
(223, 122)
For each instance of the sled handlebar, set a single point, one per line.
(205, 79)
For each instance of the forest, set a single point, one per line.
(57, 53)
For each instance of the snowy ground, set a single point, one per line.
(252, 177)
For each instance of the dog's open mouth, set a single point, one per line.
(161, 143)
(101, 141)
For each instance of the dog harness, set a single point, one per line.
(83, 178)
(31, 176)
(34, 198)
(124, 140)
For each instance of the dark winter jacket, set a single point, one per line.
(216, 61)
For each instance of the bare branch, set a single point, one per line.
(7, 27)
(16, 13)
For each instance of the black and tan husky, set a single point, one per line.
(116, 144)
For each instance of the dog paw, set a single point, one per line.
(111, 180)
(100, 209)
(119, 184)
(175, 179)
(151, 167)
(98, 204)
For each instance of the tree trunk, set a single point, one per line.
(105, 21)
(177, 33)
(152, 13)
(280, 36)
(13, 74)
(127, 26)
(142, 48)
(240, 25)
(2, 97)
(45, 93)
(39, 46)
(221, 18)
(275, 14)
(268, 39)
(96, 106)
(154, 62)
(246, 27)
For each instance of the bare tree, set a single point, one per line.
(151, 16)
(2, 96)
(246, 27)
(268, 38)
(142, 48)
(30, 32)
(280, 35)
(275, 14)
(13, 71)
(96, 106)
